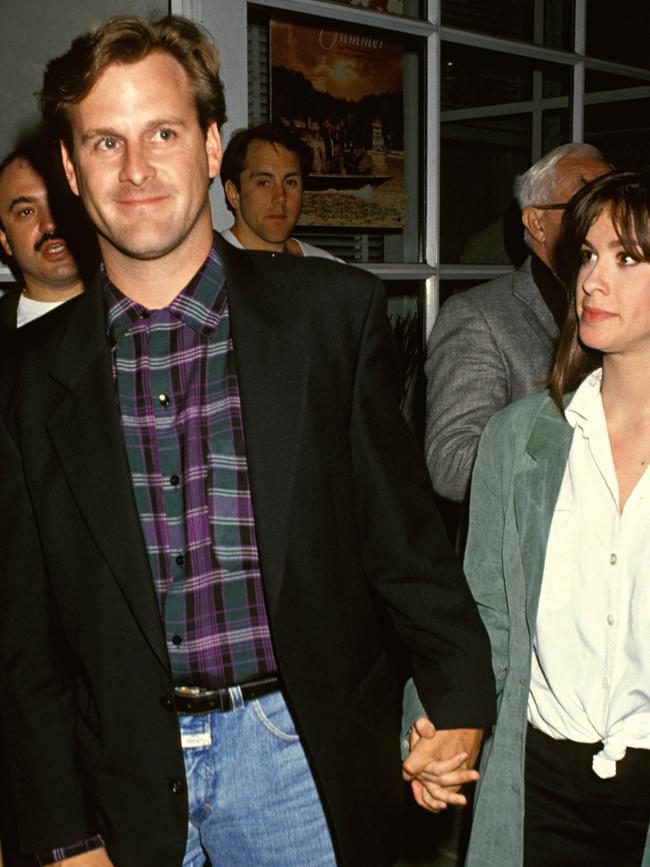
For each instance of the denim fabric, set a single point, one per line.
(252, 799)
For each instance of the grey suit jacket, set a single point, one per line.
(489, 346)
(515, 485)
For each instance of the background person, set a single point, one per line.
(557, 559)
(495, 343)
(263, 173)
(37, 247)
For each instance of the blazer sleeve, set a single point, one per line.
(407, 556)
(467, 383)
(484, 565)
(36, 682)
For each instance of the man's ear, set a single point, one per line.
(69, 169)
(4, 243)
(533, 220)
(232, 194)
(213, 149)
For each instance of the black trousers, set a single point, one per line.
(573, 818)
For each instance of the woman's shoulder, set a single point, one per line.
(518, 419)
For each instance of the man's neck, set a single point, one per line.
(250, 241)
(49, 294)
(551, 290)
(154, 283)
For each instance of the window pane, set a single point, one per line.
(412, 8)
(479, 161)
(619, 32)
(472, 77)
(374, 212)
(485, 144)
(621, 130)
(513, 19)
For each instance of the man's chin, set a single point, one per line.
(145, 248)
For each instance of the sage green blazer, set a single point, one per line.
(515, 485)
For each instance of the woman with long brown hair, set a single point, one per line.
(558, 560)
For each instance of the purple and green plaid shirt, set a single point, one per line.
(183, 430)
(182, 425)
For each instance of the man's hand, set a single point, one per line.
(94, 858)
(439, 763)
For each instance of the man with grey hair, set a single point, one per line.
(495, 343)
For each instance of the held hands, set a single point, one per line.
(439, 763)
(94, 858)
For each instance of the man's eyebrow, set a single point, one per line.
(100, 131)
(21, 200)
(265, 174)
(111, 132)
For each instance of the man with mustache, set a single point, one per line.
(32, 245)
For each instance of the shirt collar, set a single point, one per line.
(586, 404)
(200, 305)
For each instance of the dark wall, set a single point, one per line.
(31, 34)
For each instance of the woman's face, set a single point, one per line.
(612, 294)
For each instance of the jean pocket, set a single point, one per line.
(274, 715)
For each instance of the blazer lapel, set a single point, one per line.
(535, 493)
(86, 433)
(273, 375)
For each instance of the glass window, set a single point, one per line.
(479, 162)
(412, 8)
(513, 19)
(620, 129)
(354, 95)
(484, 145)
(619, 32)
(472, 77)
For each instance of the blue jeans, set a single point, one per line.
(252, 799)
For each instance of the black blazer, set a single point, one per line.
(347, 532)
(9, 310)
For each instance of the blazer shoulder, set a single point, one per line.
(9, 309)
(517, 420)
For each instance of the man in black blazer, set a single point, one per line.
(105, 717)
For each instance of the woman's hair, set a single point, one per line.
(625, 196)
(125, 39)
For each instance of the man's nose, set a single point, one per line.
(279, 193)
(47, 224)
(136, 168)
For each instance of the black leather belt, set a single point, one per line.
(193, 700)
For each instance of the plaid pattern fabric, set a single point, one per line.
(53, 855)
(182, 426)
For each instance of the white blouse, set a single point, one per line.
(590, 676)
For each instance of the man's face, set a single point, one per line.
(141, 162)
(575, 172)
(29, 234)
(268, 203)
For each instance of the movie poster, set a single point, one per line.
(341, 91)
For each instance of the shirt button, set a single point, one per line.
(176, 786)
(174, 480)
(612, 559)
(176, 639)
(180, 559)
(167, 703)
(605, 682)
(164, 399)
(610, 619)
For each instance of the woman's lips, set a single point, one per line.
(594, 314)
